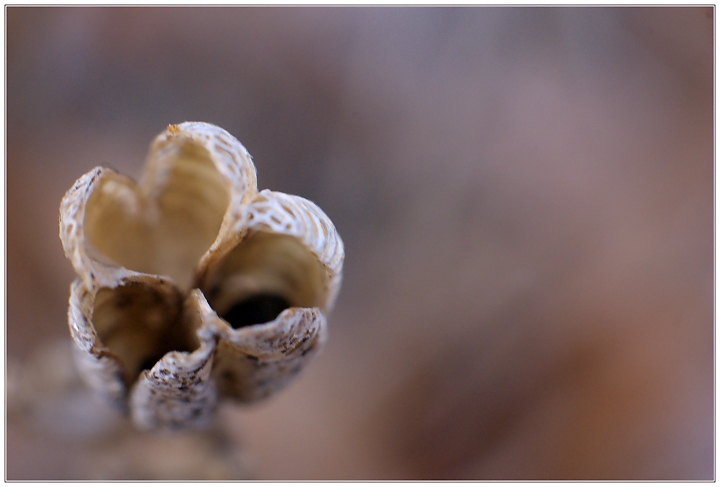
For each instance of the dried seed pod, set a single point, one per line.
(193, 286)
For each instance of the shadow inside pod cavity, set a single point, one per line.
(139, 323)
(262, 276)
(257, 309)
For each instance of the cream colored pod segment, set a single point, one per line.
(192, 285)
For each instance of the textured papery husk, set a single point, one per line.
(98, 367)
(286, 238)
(178, 392)
(196, 182)
(195, 220)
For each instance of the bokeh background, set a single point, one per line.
(526, 200)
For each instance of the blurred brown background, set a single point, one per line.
(525, 196)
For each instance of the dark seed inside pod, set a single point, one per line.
(256, 309)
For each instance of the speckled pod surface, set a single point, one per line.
(193, 286)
